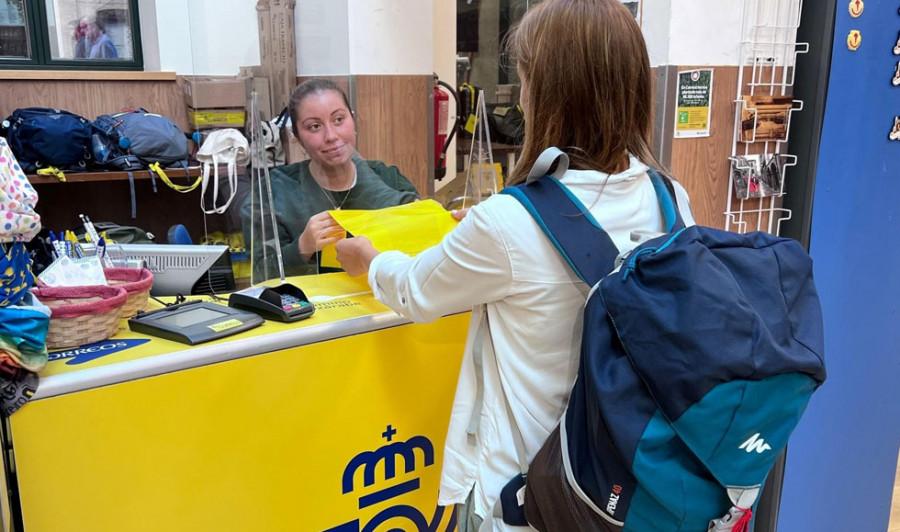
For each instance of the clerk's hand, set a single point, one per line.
(356, 254)
(320, 231)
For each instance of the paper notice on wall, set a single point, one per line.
(410, 228)
(694, 104)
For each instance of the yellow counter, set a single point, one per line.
(335, 423)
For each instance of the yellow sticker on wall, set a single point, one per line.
(856, 8)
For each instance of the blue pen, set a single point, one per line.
(54, 244)
(101, 252)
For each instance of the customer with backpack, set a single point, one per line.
(586, 88)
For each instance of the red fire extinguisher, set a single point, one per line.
(442, 121)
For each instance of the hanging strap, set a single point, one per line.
(232, 182)
(575, 233)
(133, 196)
(544, 161)
(478, 362)
(179, 188)
(482, 338)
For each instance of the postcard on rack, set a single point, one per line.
(410, 228)
(765, 117)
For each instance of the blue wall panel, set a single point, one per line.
(842, 459)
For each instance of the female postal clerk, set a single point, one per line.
(334, 177)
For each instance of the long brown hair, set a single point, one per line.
(587, 84)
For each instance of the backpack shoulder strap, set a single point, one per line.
(575, 233)
(565, 220)
(668, 201)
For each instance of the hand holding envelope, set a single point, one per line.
(410, 228)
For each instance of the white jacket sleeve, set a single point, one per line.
(470, 266)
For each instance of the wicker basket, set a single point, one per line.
(81, 315)
(136, 282)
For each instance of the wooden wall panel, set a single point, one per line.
(92, 98)
(393, 124)
(701, 164)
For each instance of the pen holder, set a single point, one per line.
(81, 315)
(137, 284)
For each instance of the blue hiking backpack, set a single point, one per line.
(41, 138)
(700, 351)
(148, 138)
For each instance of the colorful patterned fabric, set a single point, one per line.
(15, 275)
(18, 221)
(23, 332)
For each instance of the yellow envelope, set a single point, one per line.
(410, 228)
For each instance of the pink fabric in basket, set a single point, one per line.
(136, 280)
(113, 297)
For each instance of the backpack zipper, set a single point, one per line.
(633, 259)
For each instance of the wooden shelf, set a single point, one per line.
(89, 177)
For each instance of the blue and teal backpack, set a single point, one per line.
(700, 351)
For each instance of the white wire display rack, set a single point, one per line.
(766, 63)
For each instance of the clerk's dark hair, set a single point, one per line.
(587, 84)
(313, 86)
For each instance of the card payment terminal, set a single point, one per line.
(194, 322)
(285, 302)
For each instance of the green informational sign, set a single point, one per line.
(694, 103)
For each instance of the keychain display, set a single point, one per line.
(895, 132)
(854, 40)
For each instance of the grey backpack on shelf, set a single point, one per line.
(149, 137)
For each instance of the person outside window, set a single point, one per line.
(81, 43)
(101, 46)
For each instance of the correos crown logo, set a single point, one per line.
(387, 458)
